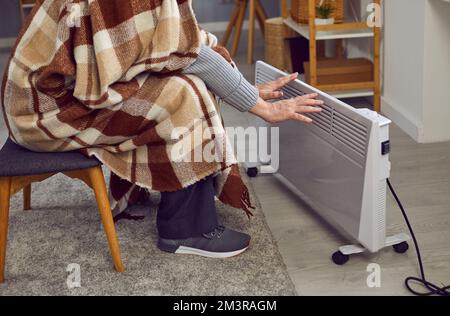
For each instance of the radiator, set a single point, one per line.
(338, 165)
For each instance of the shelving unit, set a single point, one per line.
(346, 30)
(303, 30)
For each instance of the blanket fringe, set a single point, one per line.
(246, 203)
(127, 216)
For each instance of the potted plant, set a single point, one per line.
(324, 12)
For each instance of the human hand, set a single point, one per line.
(289, 109)
(272, 90)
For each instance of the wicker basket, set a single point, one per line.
(276, 33)
(299, 10)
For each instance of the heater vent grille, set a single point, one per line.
(381, 208)
(336, 124)
(323, 120)
(349, 132)
(346, 130)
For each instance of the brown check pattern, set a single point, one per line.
(111, 85)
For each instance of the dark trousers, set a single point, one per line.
(189, 212)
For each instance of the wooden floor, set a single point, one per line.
(421, 174)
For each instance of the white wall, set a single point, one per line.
(436, 101)
(416, 89)
(404, 37)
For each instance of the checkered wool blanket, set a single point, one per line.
(105, 77)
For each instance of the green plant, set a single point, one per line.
(324, 11)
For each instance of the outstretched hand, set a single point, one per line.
(289, 109)
(272, 90)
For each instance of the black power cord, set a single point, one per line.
(433, 289)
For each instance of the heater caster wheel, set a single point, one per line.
(401, 248)
(252, 172)
(339, 258)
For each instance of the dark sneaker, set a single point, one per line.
(220, 243)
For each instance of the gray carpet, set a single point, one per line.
(64, 227)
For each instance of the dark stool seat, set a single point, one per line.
(20, 167)
(18, 161)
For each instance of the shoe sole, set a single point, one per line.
(208, 254)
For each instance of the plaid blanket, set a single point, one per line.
(105, 77)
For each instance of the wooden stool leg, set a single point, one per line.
(27, 198)
(231, 25)
(251, 31)
(238, 30)
(99, 186)
(5, 192)
(261, 15)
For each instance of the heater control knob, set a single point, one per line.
(385, 147)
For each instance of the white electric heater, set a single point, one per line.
(338, 165)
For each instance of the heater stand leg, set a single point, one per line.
(397, 240)
(253, 172)
(399, 243)
(352, 250)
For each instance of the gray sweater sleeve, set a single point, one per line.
(223, 80)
